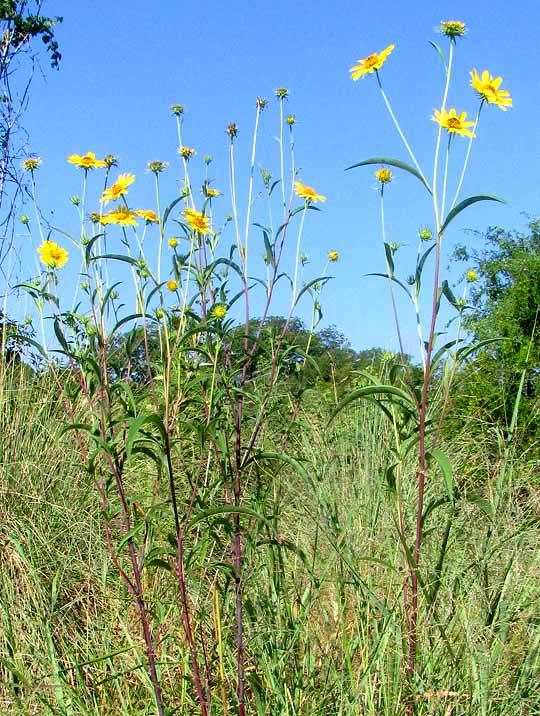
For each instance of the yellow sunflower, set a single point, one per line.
(86, 161)
(384, 175)
(120, 215)
(307, 192)
(118, 189)
(219, 310)
(370, 64)
(148, 215)
(487, 88)
(52, 255)
(198, 221)
(453, 122)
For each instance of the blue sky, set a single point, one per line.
(125, 63)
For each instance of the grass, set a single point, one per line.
(324, 626)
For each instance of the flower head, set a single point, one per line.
(307, 193)
(333, 256)
(24, 219)
(232, 130)
(120, 215)
(31, 164)
(384, 175)
(425, 234)
(208, 191)
(261, 103)
(291, 120)
(487, 88)
(454, 123)
(471, 276)
(177, 109)
(369, 64)
(110, 161)
(281, 92)
(172, 285)
(453, 28)
(52, 255)
(148, 215)
(95, 217)
(197, 221)
(219, 310)
(118, 189)
(186, 153)
(173, 243)
(157, 167)
(86, 161)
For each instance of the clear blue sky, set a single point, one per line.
(125, 63)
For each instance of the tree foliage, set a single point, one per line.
(21, 24)
(505, 304)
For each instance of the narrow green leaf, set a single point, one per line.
(389, 257)
(137, 424)
(393, 163)
(446, 470)
(441, 55)
(420, 265)
(168, 210)
(392, 278)
(464, 204)
(305, 288)
(116, 257)
(227, 509)
(370, 391)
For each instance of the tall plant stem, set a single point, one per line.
(422, 419)
(281, 158)
(250, 190)
(438, 217)
(297, 261)
(232, 182)
(398, 127)
(467, 157)
(161, 230)
(390, 279)
(180, 573)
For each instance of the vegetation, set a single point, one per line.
(212, 511)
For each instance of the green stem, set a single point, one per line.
(297, 260)
(438, 145)
(250, 192)
(400, 131)
(467, 156)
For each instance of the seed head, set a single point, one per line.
(157, 167)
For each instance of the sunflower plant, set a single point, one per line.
(158, 353)
(408, 405)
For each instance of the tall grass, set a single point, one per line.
(323, 607)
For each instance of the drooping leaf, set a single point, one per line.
(393, 163)
(372, 390)
(446, 470)
(441, 55)
(227, 509)
(322, 280)
(391, 278)
(464, 204)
